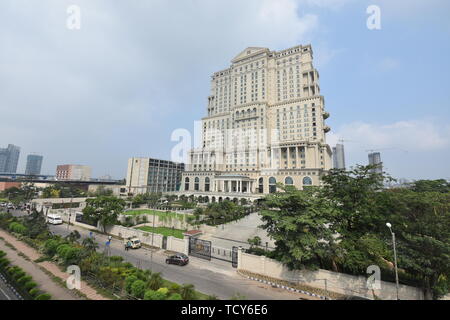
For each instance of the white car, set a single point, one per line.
(54, 219)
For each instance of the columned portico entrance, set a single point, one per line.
(233, 184)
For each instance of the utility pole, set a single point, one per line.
(395, 258)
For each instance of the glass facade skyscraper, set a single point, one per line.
(34, 164)
(9, 158)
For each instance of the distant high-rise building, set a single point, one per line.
(338, 157)
(34, 164)
(9, 158)
(375, 159)
(153, 175)
(73, 172)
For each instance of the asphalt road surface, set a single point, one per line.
(214, 278)
(5, 292)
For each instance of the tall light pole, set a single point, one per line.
(395, 256)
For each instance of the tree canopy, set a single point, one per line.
(103, 209)
(341, 226)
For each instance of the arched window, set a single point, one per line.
(197, 184)
(207, 184)
(307, 181)
(261, 185)
(288, 181)
(272, 185)
(186, 184)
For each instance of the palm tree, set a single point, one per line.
(187, 292)
(90, 244)
(73, 236)
(155, 282)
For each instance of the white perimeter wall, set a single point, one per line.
(336, 282)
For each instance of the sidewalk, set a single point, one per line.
(45, 282)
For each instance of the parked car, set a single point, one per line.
(132, 242)
(179, 259)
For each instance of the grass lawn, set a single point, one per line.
(164, 231)
(160, 214)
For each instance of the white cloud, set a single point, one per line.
(410, 136)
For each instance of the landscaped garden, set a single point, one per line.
(111, 275)
(164, 231)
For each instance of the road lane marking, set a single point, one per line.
(4, 293)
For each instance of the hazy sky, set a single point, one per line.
(137, 70)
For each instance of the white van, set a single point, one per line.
(54, 219)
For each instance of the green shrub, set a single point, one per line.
(24, 279)
(3, 263)
(68, 253)
(129, 282)
(30, 285)
(175, 296)
(18, 274)
(164, 291)
(2, 254)
(34, 292)
(17, 227)
(43, 296)
(174, 288)
(138, 289)
(50, 247)
(154, 295)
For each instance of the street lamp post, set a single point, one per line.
(395, 256)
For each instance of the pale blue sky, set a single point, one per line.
(137, 70)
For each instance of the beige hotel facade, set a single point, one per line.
(265, 125)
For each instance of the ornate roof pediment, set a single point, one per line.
(248, 52)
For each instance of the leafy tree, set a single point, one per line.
(25, 193)
(297, 221)
(36, 225)
(104, 210)
(441, 185)
(421, 222)
(255, 241)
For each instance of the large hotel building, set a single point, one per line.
(265, 125)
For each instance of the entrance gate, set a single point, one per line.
(203, 249)
(200, 248)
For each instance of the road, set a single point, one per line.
(5, 292)
(210, 277)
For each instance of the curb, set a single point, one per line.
(285, 287)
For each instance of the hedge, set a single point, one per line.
(22, 281)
